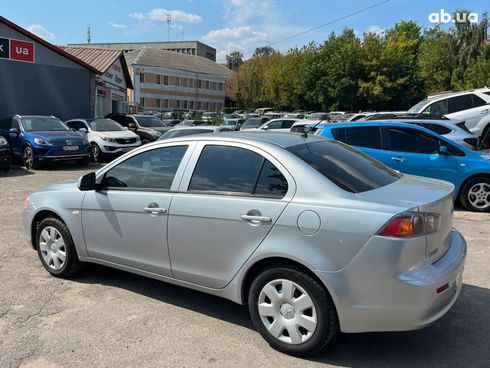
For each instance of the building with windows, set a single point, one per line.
(38, 78)
(184, 47)
(111, 82)
(166, 81)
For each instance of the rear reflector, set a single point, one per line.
(440, 289)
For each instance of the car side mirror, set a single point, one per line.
(265, 128)
(83, 130)
(14, 130)
(87, 182)
(443, 151)
(125, 128)
(132, 126)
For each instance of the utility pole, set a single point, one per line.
(89, 38)
(169, 25)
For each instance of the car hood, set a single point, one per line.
(57, 135)
(118, 134)
(66, 186)
(159, 129)
(409, 192)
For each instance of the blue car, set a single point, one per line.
(43, 138)
(418, 151)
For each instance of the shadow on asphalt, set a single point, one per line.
(179, 296)
(17, 170)
(460, 338)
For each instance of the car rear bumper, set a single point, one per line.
(408, 300)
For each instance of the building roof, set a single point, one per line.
(46, 44)
(174, 60)
(100, 59)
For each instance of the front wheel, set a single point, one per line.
(96, 152)
(475, 195)
(31, 162)
(292, 311)
(56, 249)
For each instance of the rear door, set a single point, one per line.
(229, 199)
(367, 139)
(415, 152)
(464, 108)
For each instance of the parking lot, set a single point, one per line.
(108, 318)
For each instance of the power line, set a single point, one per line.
(330, 22)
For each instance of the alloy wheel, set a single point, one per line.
(479, 195)
(53, 248)
(95, 152)
(287, 311)
(28, 158)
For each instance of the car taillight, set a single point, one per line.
(472, 141)
(410, 224)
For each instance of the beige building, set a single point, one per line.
(166, 81)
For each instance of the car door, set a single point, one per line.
(16, 139)
(230, 197)
(125, 220)
(416, 152)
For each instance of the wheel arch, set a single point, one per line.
(36, 221)
(471, 177)
(277, 261)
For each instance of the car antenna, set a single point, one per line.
(305, 134)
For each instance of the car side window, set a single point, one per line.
(436, 128)
(236, 170)
(437, 108)
(275, 124)
(460, 103)
(367, 137)
(411, 140)
(153, 170)
(77, 125)
(477, 101)
(287, 124)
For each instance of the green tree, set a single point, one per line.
(234, 60)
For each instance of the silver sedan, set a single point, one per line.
(313, 235)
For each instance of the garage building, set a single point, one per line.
(37, 77)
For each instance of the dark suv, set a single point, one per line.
(148, 127)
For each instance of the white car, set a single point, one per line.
(106, 136)
(277, 125)
(472, 107)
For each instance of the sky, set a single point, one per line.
(227, 25)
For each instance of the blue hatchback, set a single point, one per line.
(415, 150)
(43, 138)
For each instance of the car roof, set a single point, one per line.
(207, 127)
(375, 123)
(283, 140)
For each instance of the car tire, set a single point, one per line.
(59, 258)
(97, 154)
(279, 320)
(475, 195)
(29, 159)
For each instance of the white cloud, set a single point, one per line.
(375, 29)
(40, 31)
(118, 25)
(238, 2)
(137, 16)
(177, 16)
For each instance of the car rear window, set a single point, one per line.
(346, 167)
(436, 128)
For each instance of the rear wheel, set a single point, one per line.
(31, 162)
(292, 311)
(475, 195)
(56, 249)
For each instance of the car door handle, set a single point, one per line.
(399, 159)
(256, 218)
(155, 210)
(484, 112)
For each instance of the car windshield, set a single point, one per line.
(417, 107)
(43, 124)
(149, 121)
(346, 167)
(105, 125)
(230, 122)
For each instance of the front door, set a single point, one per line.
(125, 221)
(229, 205)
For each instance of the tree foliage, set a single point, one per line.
(391, 70)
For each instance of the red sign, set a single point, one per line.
(22, 51)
